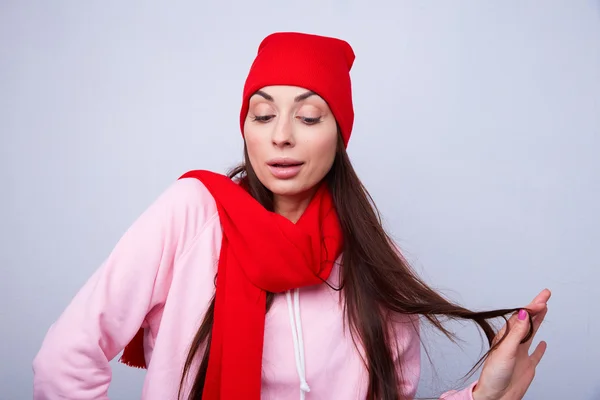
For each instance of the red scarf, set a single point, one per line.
(260, 252)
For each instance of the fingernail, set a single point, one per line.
(522, 314)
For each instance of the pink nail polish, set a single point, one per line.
(522, 314)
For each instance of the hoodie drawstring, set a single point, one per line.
(296, 323)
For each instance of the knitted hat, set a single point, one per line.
(317, 63)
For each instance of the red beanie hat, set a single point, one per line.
(318, 63)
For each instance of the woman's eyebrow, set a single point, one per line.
(303, 96)
(297, 99)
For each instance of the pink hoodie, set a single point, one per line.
(160, 276)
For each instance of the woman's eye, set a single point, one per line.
(310, 121)
(263, 118)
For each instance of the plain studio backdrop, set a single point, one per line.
(477, 133)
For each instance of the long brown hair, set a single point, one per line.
(374, 276)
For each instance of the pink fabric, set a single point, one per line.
(160, 276)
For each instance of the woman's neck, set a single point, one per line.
(292, 207)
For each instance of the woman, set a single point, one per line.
(276, 282)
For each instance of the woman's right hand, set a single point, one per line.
(510, 369)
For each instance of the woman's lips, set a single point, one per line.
(284, 168)
(285, 172)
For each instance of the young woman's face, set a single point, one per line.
(291, 137)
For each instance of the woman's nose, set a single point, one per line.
(283, 135)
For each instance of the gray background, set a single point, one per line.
(477, 132)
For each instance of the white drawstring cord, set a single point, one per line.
(296, 323)
(300, 337)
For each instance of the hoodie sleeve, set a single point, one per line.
(409, 343)
(107, 312)
(465, 394)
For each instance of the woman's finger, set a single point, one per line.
(539, 319)
(535, 307)
(543, 296)
(538, 353)
(518, 328)
(508, 325)
(537, 322)
(539, 303)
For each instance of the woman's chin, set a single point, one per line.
(288, 187)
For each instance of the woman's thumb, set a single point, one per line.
(519, 329)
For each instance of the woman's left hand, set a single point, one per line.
(510, 369)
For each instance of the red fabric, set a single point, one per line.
(133, 354)
(261, 251)
(318, 63)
